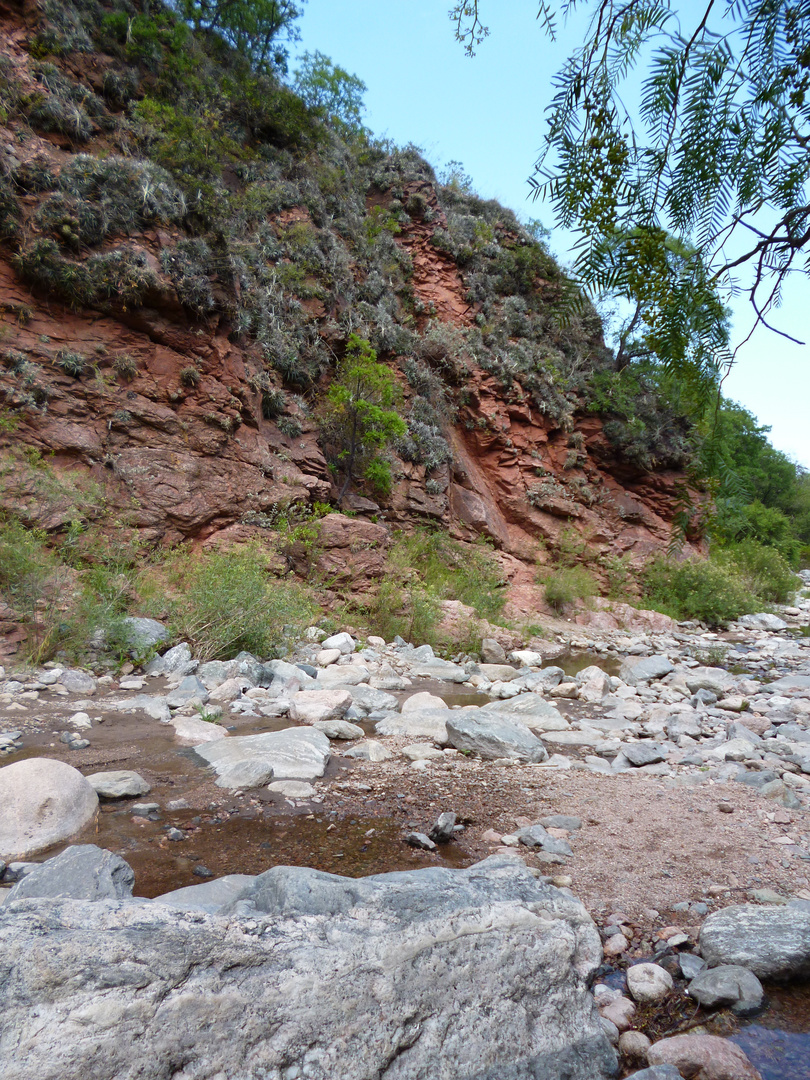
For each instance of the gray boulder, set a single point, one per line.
(43, 802)
(656, 1072)
(536, 837)
(636, 672)
(772, 941)
(155, 707)
(532, 710)
(118, 784)
(309, 706)
(339, 729)
(371, 700)
(343, 642)
(763, 620)
(143, 634)
(493, 736)
(644, 753)
(81, 872)
(78, 682)
(249, 773)
(789, 682)
(282, 672)
(292, 754)
(492, 652)
(190, 689)
(441, 669)
(175, 661)
(728, 984)
(717, 680)
(211, 896)
(419, 724)
(132, 991)
(540, 682)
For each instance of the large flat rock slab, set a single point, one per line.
(531, 709)
(493, 736)
(389, 976)
(772, 941)
(292, 754)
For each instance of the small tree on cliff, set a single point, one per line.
(359, 418)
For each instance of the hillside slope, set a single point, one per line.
(185, 251)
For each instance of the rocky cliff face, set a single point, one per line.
(176, 352)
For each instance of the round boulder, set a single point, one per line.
(648, 982)
(44, 802)
(703, 1057)
(118, 784)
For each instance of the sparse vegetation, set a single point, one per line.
(564, 587)
(228, 602)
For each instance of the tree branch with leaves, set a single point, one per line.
(716, 155)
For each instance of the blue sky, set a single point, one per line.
(487, 112)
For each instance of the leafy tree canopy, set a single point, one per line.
(255, 28)
(359, 419)
(331, 91)
(715, 158)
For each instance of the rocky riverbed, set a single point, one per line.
(663, 777)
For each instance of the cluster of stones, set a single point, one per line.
(736, 948)
(665, 714)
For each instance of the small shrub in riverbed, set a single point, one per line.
(563, 587)
(764, 569)
(704, 589)
(229, 603)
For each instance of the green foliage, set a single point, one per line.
(72, 363)
(98, 197)
(254, 28)
(770, 501)
(378, 475)
(121, 275)
(125, 366)
(230, 603)
(32, 581)
(564, 587)
(423, 569)
(715, 592)
(359, 417)
(10, 211)
(331, 92)
(765, 571)
(190, 376)
(720, 134)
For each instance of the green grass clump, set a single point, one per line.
(72, 363)
(32, 583)
(125, 366)
(734, 581)
(565, 586)
(230, 603)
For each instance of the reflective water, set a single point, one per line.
(778, 1042)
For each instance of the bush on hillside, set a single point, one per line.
(563, 587)
(714, 592)
(764, 569)
(229, 603)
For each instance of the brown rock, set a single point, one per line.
(703, 1057)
